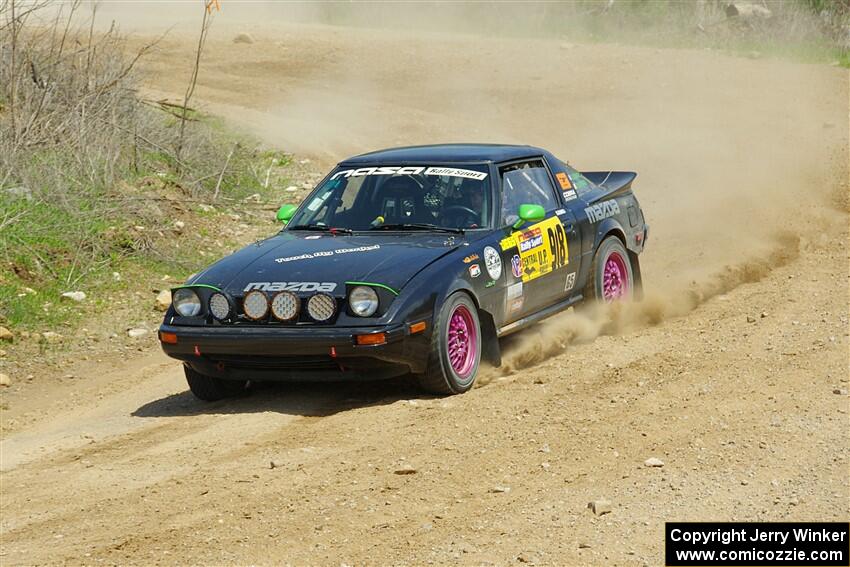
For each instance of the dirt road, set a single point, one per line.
(726, 372)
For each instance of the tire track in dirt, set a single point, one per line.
(585, 420)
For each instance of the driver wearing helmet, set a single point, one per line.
(459, 212)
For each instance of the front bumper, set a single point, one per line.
(297, 353)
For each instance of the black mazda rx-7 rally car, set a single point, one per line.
(409, 260)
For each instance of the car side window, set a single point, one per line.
(525, 183)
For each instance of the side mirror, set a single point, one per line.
(284, 214)
(530, 213)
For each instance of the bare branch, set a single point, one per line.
(223, 169)
(206, 22)
(145, 140)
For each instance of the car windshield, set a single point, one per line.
(428, 197)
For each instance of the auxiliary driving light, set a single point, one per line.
(321, 307)
(285, 306)
(255, 304)
(220, 306)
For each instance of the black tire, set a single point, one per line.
(210, 388)
(612, 245)
(441, 377)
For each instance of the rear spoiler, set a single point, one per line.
(612, 182)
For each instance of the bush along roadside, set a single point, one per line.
(90, 185)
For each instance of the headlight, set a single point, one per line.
(285, 306)
(363, 301)
(186, 302)
(321, 307)
(255, 305)
(220, 306)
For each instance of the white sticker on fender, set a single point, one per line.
(493, 262)
(515, 291)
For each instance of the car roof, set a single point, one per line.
(445, 153)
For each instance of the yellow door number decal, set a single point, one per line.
(542, 248)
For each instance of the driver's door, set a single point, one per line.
(535, 252)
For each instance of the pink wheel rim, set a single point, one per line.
(462, 341)
(615, 277)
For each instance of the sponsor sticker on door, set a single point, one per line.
(542, 248)
(516, 266)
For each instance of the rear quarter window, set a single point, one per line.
(580, 183)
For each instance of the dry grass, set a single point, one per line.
(84, 161)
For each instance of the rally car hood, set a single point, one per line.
(388, 259)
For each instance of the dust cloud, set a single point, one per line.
(731, 174)
(577, 326)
